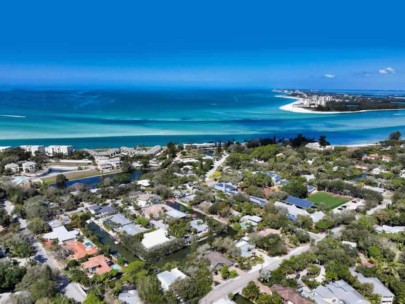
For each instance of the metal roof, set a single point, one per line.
(299, 202)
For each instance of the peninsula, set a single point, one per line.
(335, 103)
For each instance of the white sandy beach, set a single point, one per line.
(291, 107)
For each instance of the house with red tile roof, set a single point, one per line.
(289, 295)
(98, 265)
(80, 250)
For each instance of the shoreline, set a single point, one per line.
(290, 107)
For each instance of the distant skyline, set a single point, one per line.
(294, 44)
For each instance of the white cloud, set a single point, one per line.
(329, 76)
(387, 70)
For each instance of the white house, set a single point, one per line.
(13, 167)
(29, 166)
(34, 149)
(61, 234)
(107, 164)
(389, 229)
(253, 220)
(316, 146)
(54, 150)
(387, 297)
(155, 238)
(167, 278)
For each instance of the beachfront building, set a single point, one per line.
(5, 148)
(200, 146)
(104, 152)
(317, 147)
(167, 278)
(55, 150)
(142, 152)
(34, 149)
(29, 166)
(14, 168)
(106, 164)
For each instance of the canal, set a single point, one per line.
(178, 256)
(93, 181)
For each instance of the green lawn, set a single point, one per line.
(328, 201)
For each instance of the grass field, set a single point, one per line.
(328, 201)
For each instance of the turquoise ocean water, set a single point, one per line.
(147, 117)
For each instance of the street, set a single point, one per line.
(235, 285)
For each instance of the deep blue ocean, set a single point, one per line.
(102, 118)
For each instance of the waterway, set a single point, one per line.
(93, 181)
(178, 256)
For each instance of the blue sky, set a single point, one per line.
(303, 44)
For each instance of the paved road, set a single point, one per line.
(41, 254)
(217, 164)
(386, 202)
(235, 285)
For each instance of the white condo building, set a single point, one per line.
(34, 149)
(54, 150)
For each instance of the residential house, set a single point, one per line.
(246, 248)
(389, 229)
(199, 226)
(119, 220)
(298, 202)
(14, 168)
(275, 178)
(176, 214)
(98, 265)
(335, 292)
(106, 210)
(61, 234)
(252, 220)
(387, 297)
(130, 297)
(386, 158)
(29, 166)
(155, 238)
(132, 229)
(217, 260)
(167, 278)
(293, 211)
(258, 201)
(226, 188)
(81, 250)
(288, 295)
(370, 156)
(22, 181)
(316, 146)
